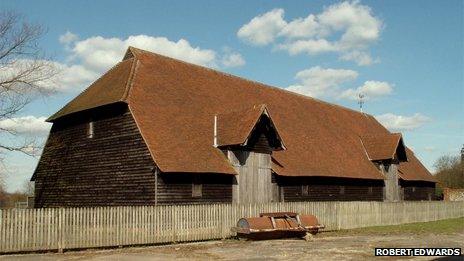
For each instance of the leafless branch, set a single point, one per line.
(24, 75)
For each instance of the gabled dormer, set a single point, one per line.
(386, 151)
(248, 138)
(250, 130)
(385, 148)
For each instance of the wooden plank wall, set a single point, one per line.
(330, 189)
(113, 168)
(176, 188)
(254, 182)
(417, 190)
(71, 228)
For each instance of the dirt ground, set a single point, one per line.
(324, 246)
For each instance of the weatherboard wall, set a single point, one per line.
(112, 168)
(115, 168)
(176, 188)
(294, 189)
(417, 190)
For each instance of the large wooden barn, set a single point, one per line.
(155, 130)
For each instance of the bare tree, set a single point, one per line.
(24, 73)
(3, 194)
(450, 171)
(27, 188)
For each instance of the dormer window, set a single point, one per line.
(90, 130)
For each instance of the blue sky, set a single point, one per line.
(406, 56)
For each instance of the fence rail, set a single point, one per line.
(68, 228)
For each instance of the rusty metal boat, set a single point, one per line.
(277, 225)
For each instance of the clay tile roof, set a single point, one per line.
(173, 104)
(413, 170)
(110, 88)
(235, 128)
(384, 146)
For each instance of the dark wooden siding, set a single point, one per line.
(417, 190)
(176, 188)
(114, 168)
(330, 189)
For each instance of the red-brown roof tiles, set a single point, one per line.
(382, 146)
(413, 170)
(174, 103)
(235, 128)
(109, 88)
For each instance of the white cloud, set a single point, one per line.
(317, 81)
(402, 123)
(308, 46)
(370, 89)
(89, 58)
(50, 76)
(356, 21)
(100, 53)
(346, 28)
(302, 28)
(360, 57)
(264, 28)
(26, 125)
(36, 73)
(232, 60)
(68, 38)
(72, 77)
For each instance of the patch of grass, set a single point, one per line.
(446, 226)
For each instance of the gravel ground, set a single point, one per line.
(324, 246)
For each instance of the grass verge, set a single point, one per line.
(446, 226)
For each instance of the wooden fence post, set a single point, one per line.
(60, 231)
(173, 218)
(2, 230)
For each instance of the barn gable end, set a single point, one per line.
(111, 168)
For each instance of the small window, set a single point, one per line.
(90, 130)
(305, 190)
(197, 187)
(370, 191)
(342, 190)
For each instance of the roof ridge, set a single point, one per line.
(251, 81)
(364, 147)
(133, 72)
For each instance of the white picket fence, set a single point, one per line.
(70, 228)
